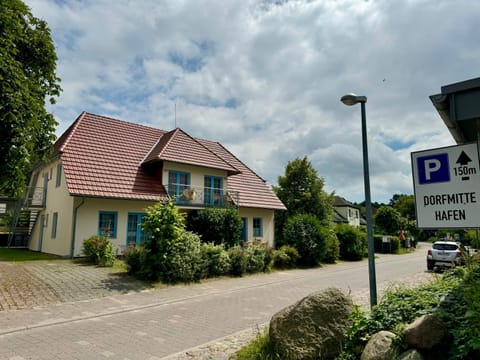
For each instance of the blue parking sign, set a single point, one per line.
(433, 169)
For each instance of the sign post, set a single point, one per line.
(446, 182)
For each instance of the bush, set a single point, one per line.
(215, 259)
(256, 255)
(332, 245)
(134, 257)
(171, 253)
(182, 261)
(353, 242)
(387, 248)
(286, 257)
(220, 226)
(238, 261)
(310, 238)
(99, 250)
(303, 232)
(398, 307)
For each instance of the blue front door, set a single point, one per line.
(135, 234)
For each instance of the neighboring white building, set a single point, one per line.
(105, 172)
(346, 212)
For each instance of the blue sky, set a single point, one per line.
(264, 78)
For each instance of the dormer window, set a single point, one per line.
(178, 182)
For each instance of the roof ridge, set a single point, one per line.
(167, 133)
(240, 161)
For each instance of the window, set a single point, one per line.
(244, 233)
(107, 224)
(213, 190)
(178, 181)
(257, 227)
(59, 175)
(54, 225)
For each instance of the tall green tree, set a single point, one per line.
(404, 204)
(301, 191)
(27, 81)
(388, 219)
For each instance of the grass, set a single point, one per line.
(258, 349)
(15, 254)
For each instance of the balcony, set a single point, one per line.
(186, 195)
(35, 198)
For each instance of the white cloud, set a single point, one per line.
(264, 78)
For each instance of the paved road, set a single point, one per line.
(153, 324)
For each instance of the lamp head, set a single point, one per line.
(352, 99)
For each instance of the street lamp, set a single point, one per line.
(352, 99)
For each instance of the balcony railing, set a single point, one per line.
(35, 197)
(187, 195)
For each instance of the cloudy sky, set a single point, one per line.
(264, 78)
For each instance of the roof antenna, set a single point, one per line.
(175, 108)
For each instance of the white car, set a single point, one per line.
(445, 253)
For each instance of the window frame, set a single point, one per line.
(213, 196)
(113, 233)
(257, 228)
(177, 186)
(54, 225)
(58, 180)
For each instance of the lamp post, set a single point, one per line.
(352, 99)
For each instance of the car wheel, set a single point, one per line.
(430, 265)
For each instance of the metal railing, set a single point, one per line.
(187, 195)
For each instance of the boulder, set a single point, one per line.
(312, 328)
(411, 354)
(425, 332)
(380, 347)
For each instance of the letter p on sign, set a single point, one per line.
(433, 169)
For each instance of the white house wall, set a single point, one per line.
(57, 201)
(268, 223)
(197, 173)
(87, 220)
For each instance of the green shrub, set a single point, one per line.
(353, 242)
(99, 250)
(303, 231)
(238, 261)
(182, 261)
(387, 248)
(216, 261)
(286, 257)
(399, 306)
(332, 245)
(134, 257)
(220, 226)
(256, 255)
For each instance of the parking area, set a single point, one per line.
(25, 285)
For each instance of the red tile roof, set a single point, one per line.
(178, 146)
(103, 157)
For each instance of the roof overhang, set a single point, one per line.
(459, 107)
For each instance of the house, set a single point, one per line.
(345, 212)
(104, 173)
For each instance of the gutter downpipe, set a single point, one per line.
(74, 227)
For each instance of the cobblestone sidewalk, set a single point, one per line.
(39, 283)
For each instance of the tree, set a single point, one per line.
(27, 79)
(404, 204)
(388, 220)
(301, 190)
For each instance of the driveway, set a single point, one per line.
(25, 285)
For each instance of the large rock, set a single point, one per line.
(380, 347)
(425, 332)
(313, 328)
